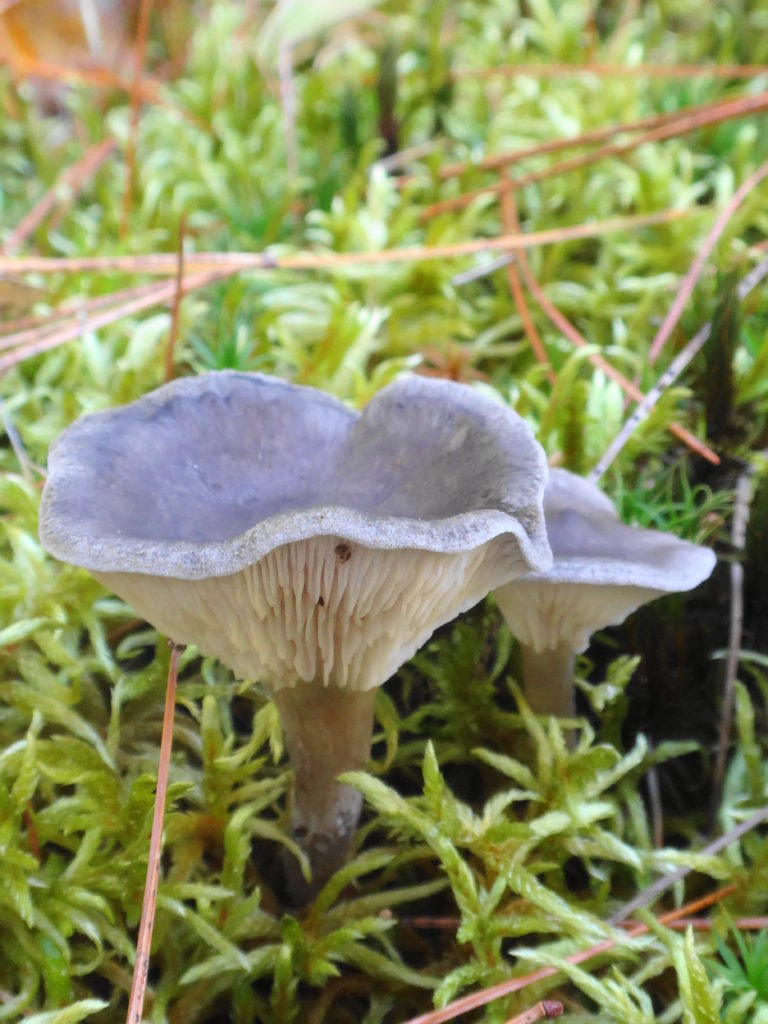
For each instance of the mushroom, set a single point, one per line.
(602, 571)
(307, 546)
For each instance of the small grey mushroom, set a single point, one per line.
(602, 571)
(305, 545)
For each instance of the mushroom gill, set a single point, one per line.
(602, 571)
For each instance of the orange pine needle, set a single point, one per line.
(235, 262)
(144, 941)
(696, 268)
(511, 224)
(591, 137)
(487, 995)
(32, 327)
(672, 71)
(44, 341)
(630, 389)
(727, 111)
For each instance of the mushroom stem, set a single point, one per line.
(548, 679)
(327, 731)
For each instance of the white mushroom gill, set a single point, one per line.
(602, 571)
(545, 616)
(326, 611)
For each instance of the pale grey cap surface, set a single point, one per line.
(602, 570)
(205, 475)
(296, 537)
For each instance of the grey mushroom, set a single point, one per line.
(602, 571)
(307, 546)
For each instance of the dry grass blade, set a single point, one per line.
(647, 402)
(738, 540)
(46, 340)
(72, 181)
(69, 314)
(689, 282)
(672, 71)
(144, 942)
(664, 883)
(234, 262)
(588, 138)
(728, 111)
(488, 995)
(704, 924)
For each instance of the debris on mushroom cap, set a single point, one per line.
(290, 536)
(602, 570)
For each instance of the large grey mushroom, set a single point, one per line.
(602, 571)
(305, 545)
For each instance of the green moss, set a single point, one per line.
(475, 810)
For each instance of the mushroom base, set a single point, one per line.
(548, 680)
(327, 731)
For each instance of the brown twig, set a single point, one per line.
(475, 1000)
(142, 31)
(144, 941)
(727, 111)
(690, 279)
(173, 332)
(73, 179)
(738, 540)
(544, 1010)
(164, 264)
(511, 225)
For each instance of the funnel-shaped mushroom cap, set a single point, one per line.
(291, 537)
(602, 570)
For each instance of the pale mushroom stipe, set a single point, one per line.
(309, 547)
(602, 571)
